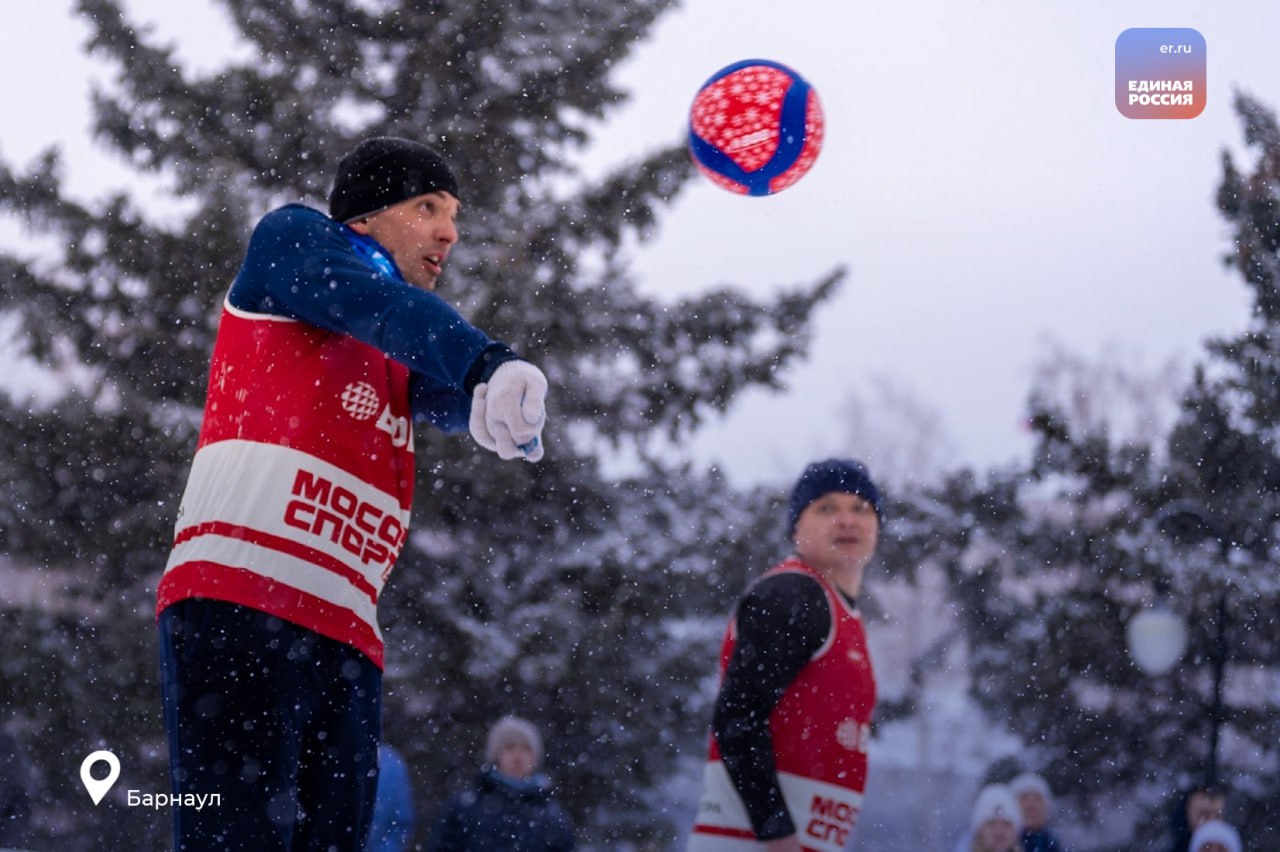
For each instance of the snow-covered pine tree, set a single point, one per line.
(554, 590)
(1050, 563)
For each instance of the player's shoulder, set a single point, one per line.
(282, 241)
(785, 590)
(783, 606)
(294, 217)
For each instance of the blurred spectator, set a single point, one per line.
(509, 807)
(1216, 836)
(1192, 810)
(393, 815)
(1035, 800)
(995, 823)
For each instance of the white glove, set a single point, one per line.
(509, 410)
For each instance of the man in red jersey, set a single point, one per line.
(331, 346)
(788, 756)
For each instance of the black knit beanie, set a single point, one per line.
(823, 477)
(383, 171)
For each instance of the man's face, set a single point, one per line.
(1202, 807)
(837, 531)
(516, 760)
(998, 834)
(1035, 811)
(418, 233)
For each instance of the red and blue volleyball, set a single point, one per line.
(755, 127)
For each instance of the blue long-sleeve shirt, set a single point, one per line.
(306, 266)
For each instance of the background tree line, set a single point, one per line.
(589, 601)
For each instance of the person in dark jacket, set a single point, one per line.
(1193, 809)
(1036, 802)
(509, 807)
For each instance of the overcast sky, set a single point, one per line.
(977, 180)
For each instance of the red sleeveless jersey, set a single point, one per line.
(820, 728)
(298, 499)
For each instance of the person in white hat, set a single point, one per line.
(996, 821)
(1216, 836)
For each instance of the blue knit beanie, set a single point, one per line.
(843, 475)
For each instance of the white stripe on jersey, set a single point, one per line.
(284, 569)
(264, 476)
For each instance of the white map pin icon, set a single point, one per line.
(98, 787)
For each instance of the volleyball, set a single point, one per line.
(755, 127)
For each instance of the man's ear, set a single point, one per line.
(360, 226)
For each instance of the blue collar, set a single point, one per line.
(372, 251)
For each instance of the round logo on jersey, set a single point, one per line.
(360, 400)
(848, 734)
